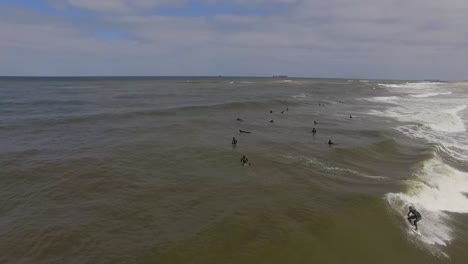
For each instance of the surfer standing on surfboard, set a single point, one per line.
(414, 215)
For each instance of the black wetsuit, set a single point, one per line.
(234, 141)
(415, 216)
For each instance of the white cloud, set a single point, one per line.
(386, 39)
(120, 6)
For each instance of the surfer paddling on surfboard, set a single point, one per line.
(414, 215)
(244, 160)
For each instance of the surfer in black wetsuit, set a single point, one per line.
(234, 141)
(314, 130)
(244, 160)
(315, 123)
(414, 215)
(239, 119)
(330, 142)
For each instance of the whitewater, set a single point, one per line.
(436, 114)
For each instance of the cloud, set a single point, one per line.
(385, 39)
(253, 2)
(120, 6)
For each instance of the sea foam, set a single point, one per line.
(435, 190)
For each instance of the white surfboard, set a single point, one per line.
(412, 228)
(415, 231)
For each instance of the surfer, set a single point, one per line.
(314, 130)
(414, 215)
(234, 141)
(330, 142)
(244, 160)
(243, 131)
(239, 119)
(350, 116)
(315, 123)
(271, 121)
(271, 111)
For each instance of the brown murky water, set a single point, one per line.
(142, 170)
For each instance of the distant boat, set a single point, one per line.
(280, 76)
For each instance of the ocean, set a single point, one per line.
(142, 170)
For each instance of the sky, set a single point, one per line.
(379, 39)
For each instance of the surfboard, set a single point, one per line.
(412, 228)
(415, 231)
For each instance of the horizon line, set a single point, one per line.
(213, 76)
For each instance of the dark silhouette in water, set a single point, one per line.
(414, 215)
(282, 112)
(243, 131)
(244, 160)
(315, 123)
(271, 121)
(271, 111)
(314, 131)
(330, 142)
(234, 141)
(350, 116)
(239, 119)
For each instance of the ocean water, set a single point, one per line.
(142, 170)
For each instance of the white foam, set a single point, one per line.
(425, 95)
(456, 147)
(435, 118)
(415, 85)
(299, 96)
(384, 99)
(436, 189)
(438, 119)
(323, 166)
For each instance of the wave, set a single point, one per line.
(384, 154)
(445, 120)
(435, 190)
(41, 103)
(415, 85)
(384, 99)
(316, 163)
(190, 109)
(444, 143)
(425, 95)
(299, 96)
